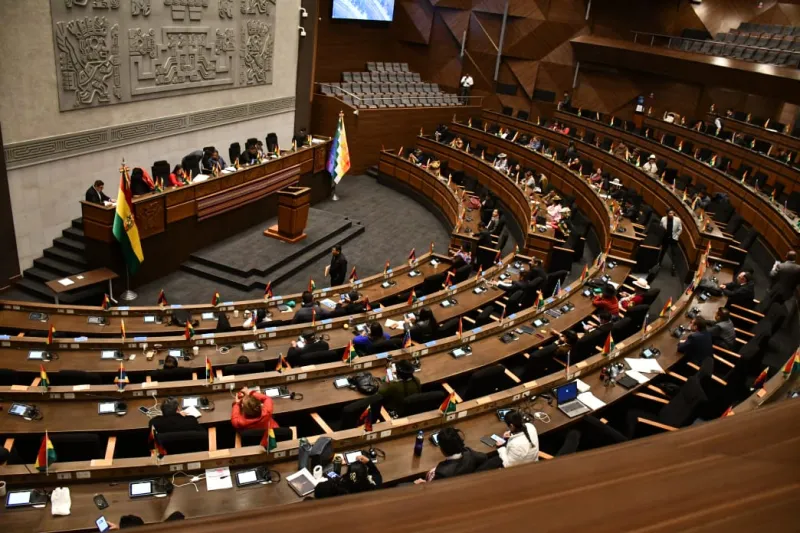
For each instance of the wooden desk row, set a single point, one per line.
(778, 230)
(776, 171)
(174, 223)
(624, 242)
(779, 138)
(658, 195)
(74, 319)
(475, 417)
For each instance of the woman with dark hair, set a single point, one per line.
(178, 177)
(394, 392)
(141, 183)
(458, 459)
(364, 342)
(566, 341)
(424, 325)
(522, 441)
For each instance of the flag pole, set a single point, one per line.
(128, 295)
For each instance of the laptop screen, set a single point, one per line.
(567, 393)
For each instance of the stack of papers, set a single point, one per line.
(192, 411)
(218, 478)
(582, 387)
(66, 282)
(200, 178)
(641, 378)
(393, 324)
(647, 366)
(591, 401)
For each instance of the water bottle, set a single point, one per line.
(302, 453)
(337, 465)
(418, 443)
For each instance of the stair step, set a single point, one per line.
(73, 233)
(88, 296)
(77, 223)
(71, 245)
(66, 256)
(40, 274)
(282, 272)
(61, 269)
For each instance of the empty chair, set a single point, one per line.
(234, 151)
(161, 170)
(183, 441)
(75, 377)
(77, 446)
(352, 412)
(9, 377)
(486, 381)
(421, 402)
(679, 412)
(522, 115)
(171, 374)
(252, 437)
(243, 368)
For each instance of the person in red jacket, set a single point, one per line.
(607, 301)
(252, 410)
(178, 177)
(632, 300)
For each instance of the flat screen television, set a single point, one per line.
(377, 10)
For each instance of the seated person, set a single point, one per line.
(170, 362)
(723, 332)
(252, 410)
(406, 384)
(435, 168)
(698, 345)
(173, 419)
(621, 150)
(741, 291)
(574, 164)
(603, 326)
(262, 155)
(529, 179)
(250, 156)
(565, 343)
(703, 200)
(628, 301)
(597, 177)
(213, 162)
(423, 326)
(309, 343)
(95, 194)
(522, 441)
(242, 360)
(494, 222)
(554, 209)
(301, 138)
(501, 162)
(376, 333)
(309, 310)
(415, 156)
(141, 183)
(361, 476)
(351, 304)
(458, 459)
(651, 167)
(515, 171)
(535, 144)
(607, 301)
(178, 177)
(571, 152)
(458, 143)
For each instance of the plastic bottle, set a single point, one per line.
(418, 443)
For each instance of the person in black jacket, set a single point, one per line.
(698, 345)
(309, 344)
(424, 326)
(351, 305)
(361, 476)
(308, 310)
(458, 459)
(95, 194)
(337, 270)
(172, 419)
(741, 291)
(140, 183)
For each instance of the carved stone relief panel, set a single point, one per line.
(167, 48)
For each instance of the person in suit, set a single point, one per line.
(604, 324)
(458, 459)
(698, 345)
(252, 410)
(536, 270)
(741, 291)
(672, 227)
(95, 194)
(485, 239)
(621, 150)
(565, 102)
(351, 305)
(141, 183)
(337, 270)
(494, 222)
(785, 278)
(406, 384)
(566, 341)
(424, 326)
(250, 155)
(170, 362)
(571, 152)
(309, 344)
(723, 332)
(375, 334)
(173, 419)
(309, 309)
(301, 138)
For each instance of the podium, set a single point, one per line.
(293, 204)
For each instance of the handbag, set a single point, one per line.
(365, 383)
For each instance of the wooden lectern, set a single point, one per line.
(293, 204)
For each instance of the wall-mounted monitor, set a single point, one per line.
(378, 10)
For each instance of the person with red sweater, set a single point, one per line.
(607, 301)
(632, 300)
(252, 410)
(178, 177)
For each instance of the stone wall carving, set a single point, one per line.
(173, 47)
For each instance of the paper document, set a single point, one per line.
(641, 378)
(393, 324)
(66, 282)
(647, 366)
(591, 401)
(327, 302)
(192, 411)
(200, 178)
(218, 478)
(582, 387)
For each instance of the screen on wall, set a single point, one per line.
(380, 10)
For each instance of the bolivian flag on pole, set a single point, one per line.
(125, 230)
(339, 158)
(46, 455)
(268, 441)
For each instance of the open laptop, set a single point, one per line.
(567, 398)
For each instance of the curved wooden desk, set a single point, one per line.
(778, 231)
(779, 138)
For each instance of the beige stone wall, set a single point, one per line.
(45, 197)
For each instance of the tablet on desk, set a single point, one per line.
(277, 392)
(19, 498)
(207, 316)
(19, 409)
(106, 408)
(251, 346)
(176, 353)
(190, 401)
(341, 383)
(247, 477)
(149, 319)
(138, 489)
(352, 457)
(110, 354)
(97, 320)
(36, 355)
(458, 352)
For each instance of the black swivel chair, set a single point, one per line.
(272, 142)
(172, 374)
(77, 446)
(351, 412)
(75, 377)
(184, 441)
(252, 437)
(486, 381)
(234, 152)
(243, 368)
(161, 170)
(421, 402)
(9, 377)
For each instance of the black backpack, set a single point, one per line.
(365, 383)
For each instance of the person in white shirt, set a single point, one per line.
(465, 87)
(650, 167)
(672, 227)
(522, 441)
(501, 163)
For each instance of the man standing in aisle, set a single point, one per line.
(465, 87)
(672, 231)
(337, 270)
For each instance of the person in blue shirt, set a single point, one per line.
(363, 342)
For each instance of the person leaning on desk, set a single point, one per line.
(95, 194)
(172, 419)
(252, 410)
(458, 459)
